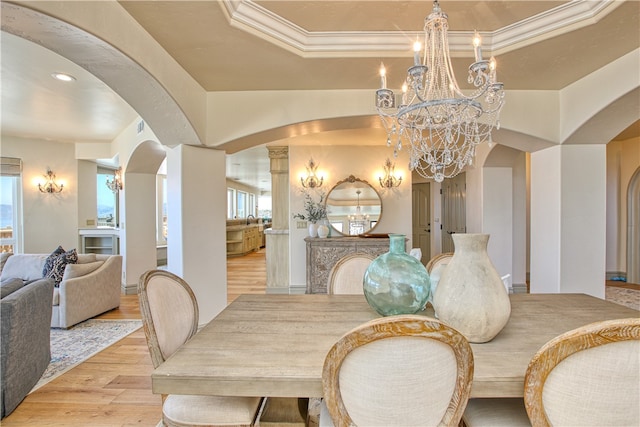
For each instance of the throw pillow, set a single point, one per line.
(59, 264)
(48, 264)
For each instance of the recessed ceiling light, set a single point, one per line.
(63, 77)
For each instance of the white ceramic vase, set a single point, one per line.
(313, 229)
(323, 231)
(471, 296)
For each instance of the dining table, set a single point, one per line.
(275, 345)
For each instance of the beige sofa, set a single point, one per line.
(88, 288)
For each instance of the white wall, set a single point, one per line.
(337, 163)
(49, 219)
(498, 217)
(568, 198)
(87, 199)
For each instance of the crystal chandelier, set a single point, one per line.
(441, 124)
(115, 185)
(358, 216)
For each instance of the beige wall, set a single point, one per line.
(49, 220)
(336, 163)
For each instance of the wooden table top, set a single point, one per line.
(275, 345)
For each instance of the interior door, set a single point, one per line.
(421, 194)
(454, 216)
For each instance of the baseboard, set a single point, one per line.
(519, 288)
(129, 289)
(609, 275)
(291, 290)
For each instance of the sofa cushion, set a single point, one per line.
(56, 296)
(9, 286)
(59, 264)
(24, 266)
(86, 258)
(77, 270)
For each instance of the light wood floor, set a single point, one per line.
(113, 388)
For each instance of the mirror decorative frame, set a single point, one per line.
(361, 225)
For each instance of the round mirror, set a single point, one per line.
(354, 207)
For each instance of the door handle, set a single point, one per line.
(451, 232)
(428, 230)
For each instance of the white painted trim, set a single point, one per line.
(257, 20)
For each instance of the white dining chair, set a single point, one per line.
(347, 274)
(169, 313)
(589, 376)
(408, 370)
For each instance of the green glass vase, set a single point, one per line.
(395, 282)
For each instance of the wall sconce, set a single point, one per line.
(312, 180)
(50, 186)
(116, 185)
(389, 180)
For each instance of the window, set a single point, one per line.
(241, 204)
(10, 205)
(231, 203)
(161, 200)
(107, 200)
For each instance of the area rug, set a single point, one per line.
(70, 347)
(623, 296)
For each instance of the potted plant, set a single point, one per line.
(314, 212)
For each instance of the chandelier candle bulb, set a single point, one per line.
(477, 46)
(383, 77)
(416, 53)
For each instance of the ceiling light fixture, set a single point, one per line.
(115, 185)
(49, 185)
(63, 77)
(312, 180)
(441, 124)
(389, 180)
(358, 216)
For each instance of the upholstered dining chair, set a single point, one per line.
(170, 317)
(347, 274)
(406, 370)
(437, 260)
(589, 376)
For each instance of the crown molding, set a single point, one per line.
(261, 22)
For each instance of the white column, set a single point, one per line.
(568, 219)
(196, 243)
(137, 231)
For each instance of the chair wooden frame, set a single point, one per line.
(339, 264)
(437, 259)
(213, 403)
(149, 328)
(399, 326)
(563, 346)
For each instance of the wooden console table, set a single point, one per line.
(322, 254)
